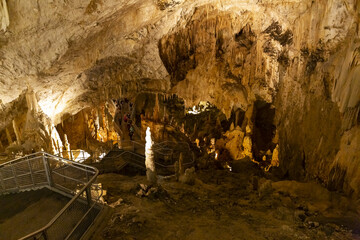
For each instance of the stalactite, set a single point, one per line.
(67, 147)
(53, 146)
(56, 138)
(237, 113)
(157, 108)
(17, 132)
(4, 15)
(31, 100)
(164, 114)
(59, 149)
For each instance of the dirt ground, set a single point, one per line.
(225, 205)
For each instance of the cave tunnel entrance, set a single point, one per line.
(264, 128)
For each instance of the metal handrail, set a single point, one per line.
(86, 188)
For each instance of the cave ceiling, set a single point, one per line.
(75, 53)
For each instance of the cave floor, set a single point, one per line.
(26, 212)
(225, 205)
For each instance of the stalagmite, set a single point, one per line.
(17, 132)
(4, 15)
(275, 157)
(275, 162)
(149, 159)
(247, 143)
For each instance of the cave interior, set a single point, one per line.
(203, 119)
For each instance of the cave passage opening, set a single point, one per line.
(264, 129)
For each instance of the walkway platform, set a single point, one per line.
(25, 212)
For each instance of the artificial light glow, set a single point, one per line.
(194, 111)
(81, 155)
(228, 167)
(51, 109)
(201, 107)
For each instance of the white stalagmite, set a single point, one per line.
(149, 159)
(4, 15)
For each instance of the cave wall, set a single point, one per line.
(304, 61)
(300, 57)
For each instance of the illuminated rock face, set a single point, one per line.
(300, 57)
(289, 57)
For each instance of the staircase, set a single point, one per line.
(71, 179)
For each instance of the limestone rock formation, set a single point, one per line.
(300, 59)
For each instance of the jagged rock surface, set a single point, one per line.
(302, 57)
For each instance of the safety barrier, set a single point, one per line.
(60, 175)
(133, 152)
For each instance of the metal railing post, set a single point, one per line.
(2, 181)
(14, 174)
(88, 195)
(31, 172)
(16, 168)
(47, 170)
